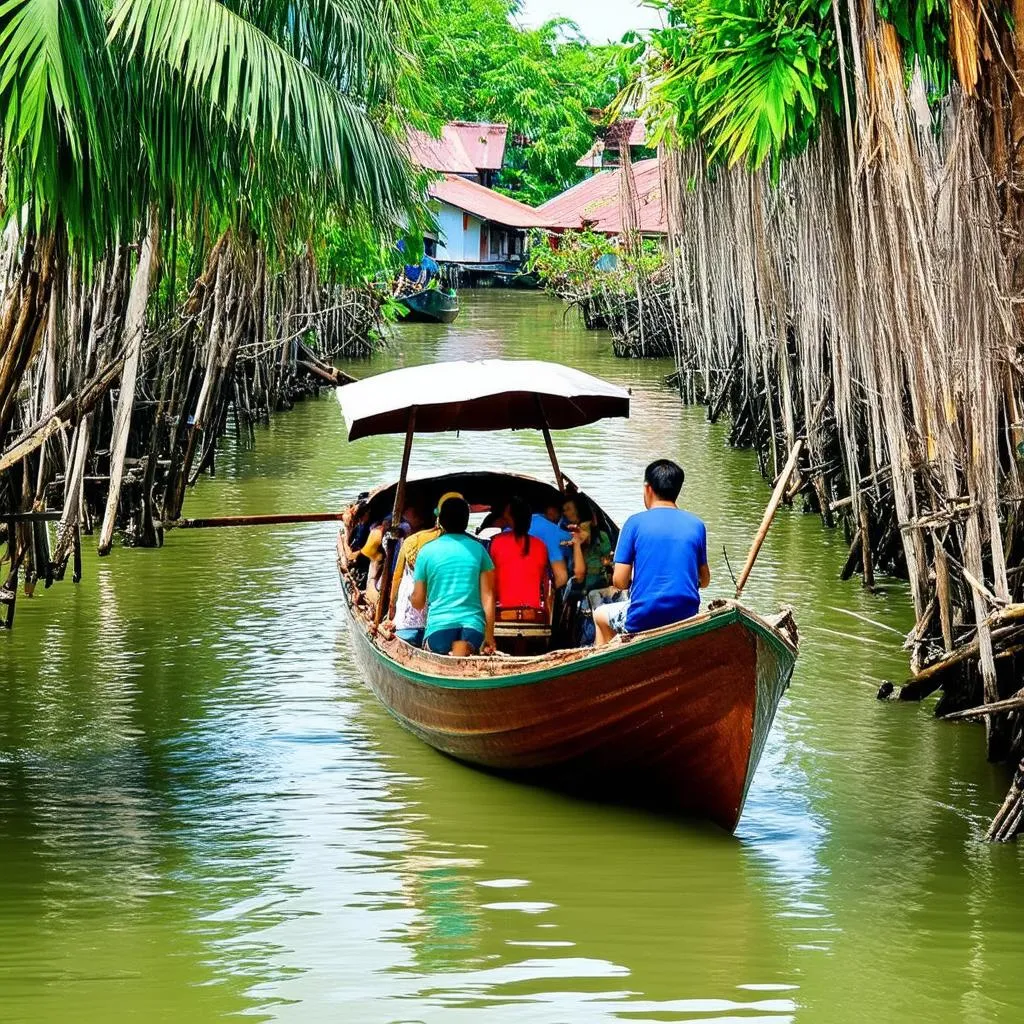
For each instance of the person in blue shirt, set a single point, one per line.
(661, 558)
(454, 581)
(545, 526)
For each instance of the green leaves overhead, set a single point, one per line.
(54, 72)
(269, 114)
(255, 85)
(479, 65)
(745, 78)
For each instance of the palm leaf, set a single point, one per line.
(253, 84)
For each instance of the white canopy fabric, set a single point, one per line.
(487, 394)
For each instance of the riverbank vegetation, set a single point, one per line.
(843, 190)
(194, 195)
(603, 278)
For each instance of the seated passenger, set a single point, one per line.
(499, 518)
(351, 538)
(409, 623)
(596, 544)
(544, 526)
(454, 581)
(373, 550)
(662, 557)
(522, 563)
(357, 521)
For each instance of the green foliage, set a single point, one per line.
(478, 65)
(747, 79)
(268, 115)
(923, 28)
(583, 260)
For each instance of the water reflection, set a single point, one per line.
(203, 811)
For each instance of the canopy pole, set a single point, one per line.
(384, 595)
(546, 430)
(554, 459)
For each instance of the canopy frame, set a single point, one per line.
(546, 430)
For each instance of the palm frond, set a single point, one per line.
(60, 134)
(253, 84)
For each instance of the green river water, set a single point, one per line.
(204, 812)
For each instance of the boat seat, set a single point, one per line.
(522, 622)
(522, 630)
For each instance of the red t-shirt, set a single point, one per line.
(519, 578)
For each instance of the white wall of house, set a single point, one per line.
(459, 235)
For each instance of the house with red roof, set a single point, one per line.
(595, 204)
(471, 149)
(478, 229)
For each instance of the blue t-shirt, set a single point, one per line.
(552, 535)
(451, 567)
(666, 547)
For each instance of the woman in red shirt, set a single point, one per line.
(521, 565)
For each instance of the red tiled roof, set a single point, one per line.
(633, 126)
(485, 143)
(465, 147)
(594, 202)
(593, 156)
(446, 154)
(483, 203)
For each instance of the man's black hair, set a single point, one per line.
(665, 478)
(454, 515)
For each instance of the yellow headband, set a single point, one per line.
(444, 498)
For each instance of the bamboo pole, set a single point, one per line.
(546, 431)
(769, 514)
(134, 327)
(268, 519)
(1013, 703)
(559, 480)
(396, 518)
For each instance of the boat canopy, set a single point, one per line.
(486, 394)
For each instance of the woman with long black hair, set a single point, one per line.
(522, 566)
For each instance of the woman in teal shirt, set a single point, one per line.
(454, 581)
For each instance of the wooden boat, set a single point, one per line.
(675, 717)
(525, 280)
(431, 306)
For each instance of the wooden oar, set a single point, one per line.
(271, 519)
(769, 514)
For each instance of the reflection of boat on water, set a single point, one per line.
(430, 306)
(517, 889)
(674, 717)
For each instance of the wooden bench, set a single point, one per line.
(522, 630)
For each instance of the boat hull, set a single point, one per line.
(676, 718)
(431, 306)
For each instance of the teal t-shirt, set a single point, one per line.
(451, 566)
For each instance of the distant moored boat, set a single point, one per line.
(431, 306)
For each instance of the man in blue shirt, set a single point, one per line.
(661, 557)
(544, 526)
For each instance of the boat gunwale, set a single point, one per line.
(450, 301)
(542, 667)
